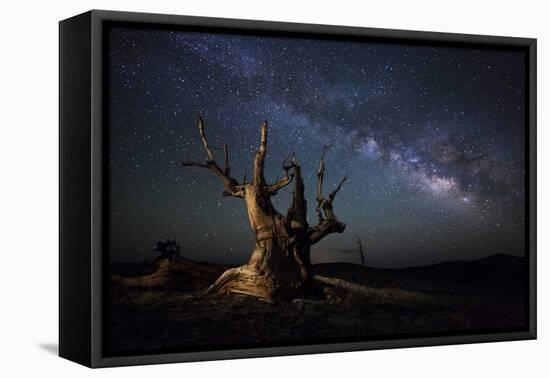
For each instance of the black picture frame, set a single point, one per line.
(83, 170)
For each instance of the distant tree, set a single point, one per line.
(360, 249)
(169, 249)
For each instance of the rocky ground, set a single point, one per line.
(165, 309)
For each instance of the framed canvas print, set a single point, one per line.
(234, 188)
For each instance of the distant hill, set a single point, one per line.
(496, 271)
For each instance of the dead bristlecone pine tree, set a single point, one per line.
(360, 250)
(280, 263)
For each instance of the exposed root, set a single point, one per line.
(390, 294)
(174, 274)
(248, 281)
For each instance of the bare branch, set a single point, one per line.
(232, 187)
(320, 179)
(200, 125)
(328, 223)
(289, 155)
(236, 191)
(226, 167)
(324, 228)
(332, 195)
(189, 163)
(259, 160)
(296, 217)
(287, 178)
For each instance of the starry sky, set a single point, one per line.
(432, 140)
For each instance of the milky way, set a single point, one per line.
(432, 140)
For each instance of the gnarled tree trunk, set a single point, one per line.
(279, 265)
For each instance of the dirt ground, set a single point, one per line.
(475, 296)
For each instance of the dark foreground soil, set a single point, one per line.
(154, 314)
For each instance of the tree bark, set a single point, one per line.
(280, 263)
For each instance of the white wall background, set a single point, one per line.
(29, 189)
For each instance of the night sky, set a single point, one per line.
(431, 138)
